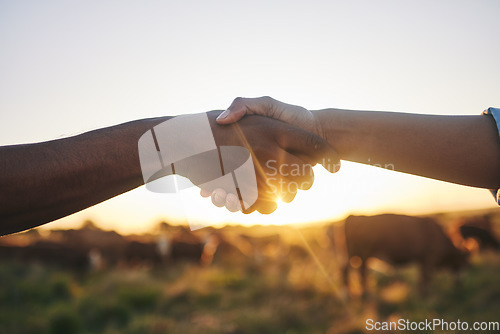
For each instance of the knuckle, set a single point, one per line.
(236, 102)
(313, 141)
(269, 104)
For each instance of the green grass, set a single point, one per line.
(192, 299)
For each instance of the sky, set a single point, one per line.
(67, 67)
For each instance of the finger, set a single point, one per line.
(242, 106)
(266, 207)
(290, 195)
(269, 188)
(292, 169)
(262, 206)
(266, 200)
(276, 185)
(205, 193)
(233, 202)
(219, 197)
(308, 146)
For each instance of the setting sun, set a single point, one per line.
(355, 189)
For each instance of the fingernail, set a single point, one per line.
(223, 115)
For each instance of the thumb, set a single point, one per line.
(309, 146)
(242, 106)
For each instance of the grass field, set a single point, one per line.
(292, 295)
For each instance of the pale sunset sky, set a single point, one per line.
(67, 67)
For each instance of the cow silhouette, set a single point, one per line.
(400, 240)
(480, 229)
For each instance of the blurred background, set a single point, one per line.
(67, 67)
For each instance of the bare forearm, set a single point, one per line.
(45, 181)
(458, 149)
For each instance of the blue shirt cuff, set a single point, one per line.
(495, 112)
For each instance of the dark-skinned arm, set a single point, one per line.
(457, 149)
(45, 181)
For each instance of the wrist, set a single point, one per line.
(337, 126)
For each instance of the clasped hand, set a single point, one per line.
(283, 155)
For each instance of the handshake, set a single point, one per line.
(246, 158)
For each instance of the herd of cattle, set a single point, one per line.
(395, 239)
(90, 248)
